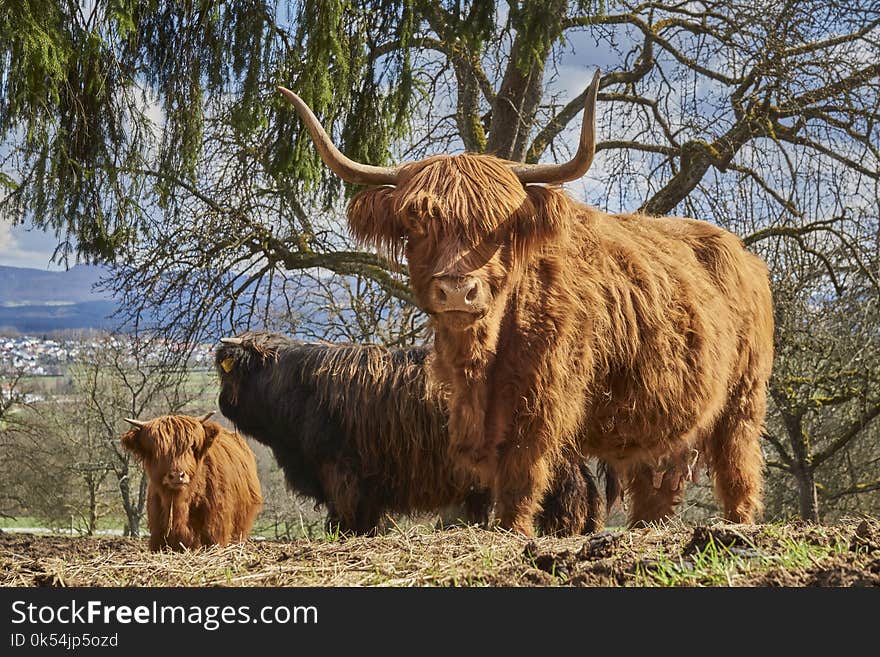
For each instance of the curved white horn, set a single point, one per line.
(347, 169)
(580, 163)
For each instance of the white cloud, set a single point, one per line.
(23, 247)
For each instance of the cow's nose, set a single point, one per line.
(461, 293)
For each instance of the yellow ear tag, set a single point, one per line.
(227, 364)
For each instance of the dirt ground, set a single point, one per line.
(792, 554)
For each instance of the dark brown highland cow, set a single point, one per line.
(356, 428)
(636, 338)
(203, 486)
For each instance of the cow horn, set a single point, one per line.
(231, 340)
(580, 163)
(135, 423)
(349, 170)
(206, 416)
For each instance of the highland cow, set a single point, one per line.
(357, 429)
(203, 486)
(632, 338)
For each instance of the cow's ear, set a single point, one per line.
(212, 429)
(374, 222)
(544, 217)
(133, 441)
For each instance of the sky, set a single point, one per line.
(21, 246)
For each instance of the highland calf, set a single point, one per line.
(203, 487)
(635, 339)
(357, 429)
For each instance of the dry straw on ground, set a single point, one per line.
(794, 554)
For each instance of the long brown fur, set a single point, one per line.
(630, 338)
(222, 499)
(358, 429)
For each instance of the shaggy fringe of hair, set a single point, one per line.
(228, 506)
(169, 435)
(455, 195)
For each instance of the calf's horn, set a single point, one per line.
(231, 340)
(136, 423)
(580, 163)
(349, 170)
(206, 416)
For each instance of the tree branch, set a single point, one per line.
(854, 429)
(858, 489)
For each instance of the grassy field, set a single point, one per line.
(792, 554)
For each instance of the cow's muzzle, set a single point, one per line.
(459, 294)
(176, 479)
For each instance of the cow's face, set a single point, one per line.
(172, 448)
(467, 226)
(456, 280)
(239, 359)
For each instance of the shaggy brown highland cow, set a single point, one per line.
(357, 429)
(635, 338)
(203, 486)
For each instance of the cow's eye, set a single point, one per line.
(413, 225)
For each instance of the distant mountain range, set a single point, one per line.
(39, 301)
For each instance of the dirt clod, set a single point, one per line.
(867, 536)
(720, 536)
(599, 545)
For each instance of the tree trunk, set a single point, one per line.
(124, 478)
(134, 523)
(802, 467)
(93, 509)
(808, 498)
(514, 109)
(517, 100)
(142, 502)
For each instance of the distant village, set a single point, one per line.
(45, 356)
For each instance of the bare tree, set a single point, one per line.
(763, 117)
(122, 376)
(12, 398)
(62, 462)
(826, 391)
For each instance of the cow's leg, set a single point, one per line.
(521, 480)
(244, 521)
(218, 526)
(593, 502)
(473, 510)
(735, 455)
(572, 504)
(477, 505)
(342, 492)
(369, 518)
(653, 493)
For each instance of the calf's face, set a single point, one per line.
(172, 448)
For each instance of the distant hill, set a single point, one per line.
(22, 286)
(39, 301)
